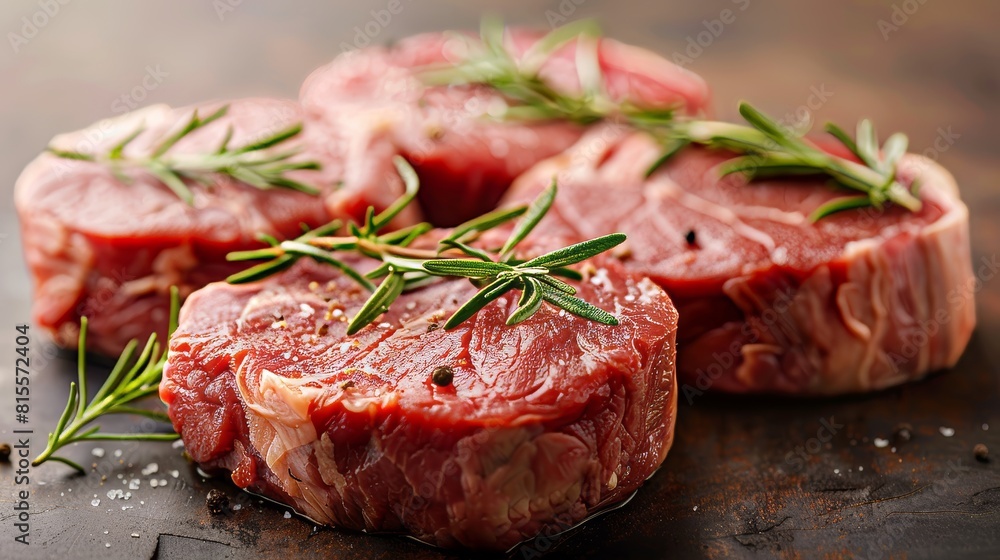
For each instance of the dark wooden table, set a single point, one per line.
(735, 484)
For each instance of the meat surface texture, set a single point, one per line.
(541, 424)
(110, 250)
(770, 302)
(373, 104)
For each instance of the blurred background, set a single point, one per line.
(929, 68)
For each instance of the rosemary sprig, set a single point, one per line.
(132, 379)
(249, 164)
(518, 79)
(774, 150)
(404, 268)
(769, 149)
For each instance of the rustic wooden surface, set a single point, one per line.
(732, 486)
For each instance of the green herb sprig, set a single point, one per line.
(775, 151)
(518, 79)
(251, 164)
(404, 268)
(132, 379)
(768, 148)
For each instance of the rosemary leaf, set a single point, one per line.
(530, 302)
(491, 292)
(378, 303)
(578, 307)
(539, 207)
(577, 252)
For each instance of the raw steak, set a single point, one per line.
(769, 302)
(542, 424)
(373, 103)
(99, 247)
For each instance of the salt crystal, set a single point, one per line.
(107, 545)
(237, 507)
(562, 362)
(879, 442)
(95, 502)
(629, 298)
(150, 469)
(306, 310)
(893, 449)
(118, 452)
(176, 445)
(287, 355)
(860, 469)
(946, 432)
(695, 508)
(135, 535)
(337, 313)
(154, 483)
(986, 427)
(288, 515)
(836, 471)
(175, 474)
(97, 452)
(134, 484)
(411, 306)
(384, 325)
(163, 482)
(105, 532)
(345, 346)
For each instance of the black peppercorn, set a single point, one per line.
(690, 237)
(442, 376)
(4, 453)
(217, 502)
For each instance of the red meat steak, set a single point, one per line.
(110, 250)
(548, 420)
(374, 105)
(770, 302)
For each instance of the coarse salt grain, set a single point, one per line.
(879, 442)
(97, 452)
(946, 432)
